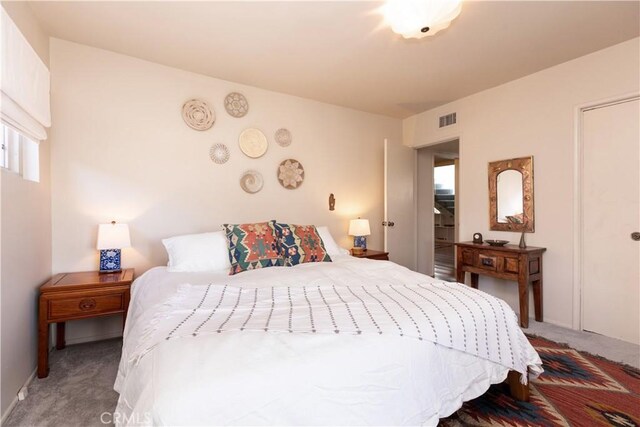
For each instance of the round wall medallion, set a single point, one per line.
(251, 181)
(219, 153)
(236, 104)
(198, 115)
(290, 174)
(283, 137)
(253, 142)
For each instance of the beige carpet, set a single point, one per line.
(77, 391)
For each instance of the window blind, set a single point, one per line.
(24, 83)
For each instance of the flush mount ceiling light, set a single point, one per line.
(420, 18)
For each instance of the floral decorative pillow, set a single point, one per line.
(300, 244)
(252, 246)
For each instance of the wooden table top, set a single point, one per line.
(505, 248)
(369, 252)
(87, 279)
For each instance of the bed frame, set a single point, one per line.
(517, 390)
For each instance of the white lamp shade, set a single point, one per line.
(359, 227)
(409, 17)
(113, 236)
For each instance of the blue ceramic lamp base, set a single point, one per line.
(360, 242)
(110, 261)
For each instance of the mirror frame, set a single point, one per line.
(524, 165)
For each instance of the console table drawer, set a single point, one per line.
(488, 262)
(83, 306)
(511, 265)
(468, 257)
(491, 261)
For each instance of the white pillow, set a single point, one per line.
(197, 252)
(329, 243)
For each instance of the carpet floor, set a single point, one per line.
(78, 390)
(577, 389)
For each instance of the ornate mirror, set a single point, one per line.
(511, 195)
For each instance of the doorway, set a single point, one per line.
(444, 219)
(437, 209)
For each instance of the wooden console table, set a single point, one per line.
(506, 262)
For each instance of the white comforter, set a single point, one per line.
(257, 378)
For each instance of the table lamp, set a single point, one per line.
(111, 238)
(359, 229)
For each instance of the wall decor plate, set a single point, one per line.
(198, 115)
(283, 137)
(290, 174)
(251, 181)
(219, 153)
(253, 142)
(236, 104)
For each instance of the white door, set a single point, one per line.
(611, 213)
(456, 208)
(399, 203)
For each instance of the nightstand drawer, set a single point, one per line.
(85, 306)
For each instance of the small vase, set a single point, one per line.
(523, 244)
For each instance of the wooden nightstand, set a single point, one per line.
(371, 254)
(72, 296)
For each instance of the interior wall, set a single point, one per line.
(121, 151)
(534, 115)
(25, 235)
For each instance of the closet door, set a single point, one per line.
(611, 216)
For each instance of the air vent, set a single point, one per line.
(448, 120)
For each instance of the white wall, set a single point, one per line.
(531, 116)
(121, 151)
(26, 245)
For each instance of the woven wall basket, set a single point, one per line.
(251, 181)
(290, 174)
(236, 105)
(197, 114)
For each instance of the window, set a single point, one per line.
(20, 154)
(445, 178)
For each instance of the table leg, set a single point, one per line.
(523, 291)
(459, 271)
(43, 341)
(60, 329)
(537, 299)
(474, 280)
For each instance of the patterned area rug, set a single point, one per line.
(576, 389)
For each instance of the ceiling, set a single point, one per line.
(339, 52)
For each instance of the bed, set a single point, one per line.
(348, 342)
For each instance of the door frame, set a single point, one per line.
(578, 224)
(458, 204)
